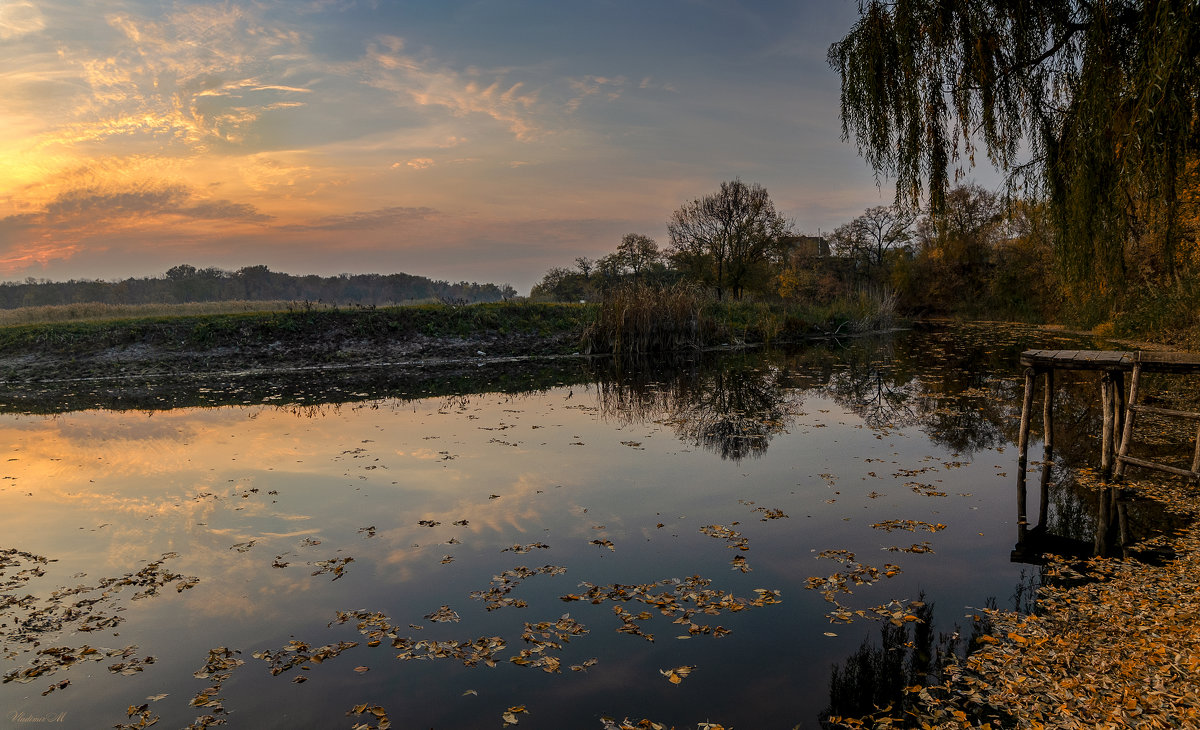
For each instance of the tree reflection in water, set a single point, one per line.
(731, 405)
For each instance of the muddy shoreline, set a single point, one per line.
(155, 375)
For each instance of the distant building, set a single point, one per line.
(807, 246)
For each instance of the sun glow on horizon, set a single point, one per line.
(232, 134)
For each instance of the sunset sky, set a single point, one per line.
(479, 140)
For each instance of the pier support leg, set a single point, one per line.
(1118, 408)
(1023, 454)
(1108, 410)
(1127, 428)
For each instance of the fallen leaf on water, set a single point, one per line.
(56, 685)
(510, 715)
(676, 675)
(378, 712)
(444, 614)
(337, 566)
(909, 525)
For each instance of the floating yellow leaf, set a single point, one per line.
(676, 675)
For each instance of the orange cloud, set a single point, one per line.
(420, 163)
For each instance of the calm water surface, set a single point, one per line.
(697, 503)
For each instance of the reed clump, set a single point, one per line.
(638, 318)
(875, 309)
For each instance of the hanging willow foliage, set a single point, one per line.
(1092, 103)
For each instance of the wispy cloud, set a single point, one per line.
(474, 92)
(91, 205)
(649, 83)
(18, 18)
(201, 75)
(418, 163)
(610, 88)
(366, 220)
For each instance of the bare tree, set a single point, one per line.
(637, 253)
(724, 238)
(870, 236)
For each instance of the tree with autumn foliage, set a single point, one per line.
(1092, 106)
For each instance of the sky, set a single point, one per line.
(465, 140)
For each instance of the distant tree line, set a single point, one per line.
(979, 255)
(731, 242)
(186, 283)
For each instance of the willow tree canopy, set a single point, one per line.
(1093, 103)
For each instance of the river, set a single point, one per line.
(720, 539)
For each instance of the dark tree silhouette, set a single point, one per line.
(725, 238)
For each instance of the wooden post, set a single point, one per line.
(1196, 458)
(1127, 431)
(1023, 453)
(1108, 412)
(1119, 407)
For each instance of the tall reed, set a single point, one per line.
(638, 318)
(877, 309)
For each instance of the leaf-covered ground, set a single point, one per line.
(1120, 650)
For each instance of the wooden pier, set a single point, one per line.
(1116, 436)
(1118, 413)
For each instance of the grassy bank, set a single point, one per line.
(300, 336)
(99, 311)
(1169, 317)
(298, 325)
(102, 341)
(636, 319)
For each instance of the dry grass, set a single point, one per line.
(95, 311)
(637, 319)
(876, 309)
